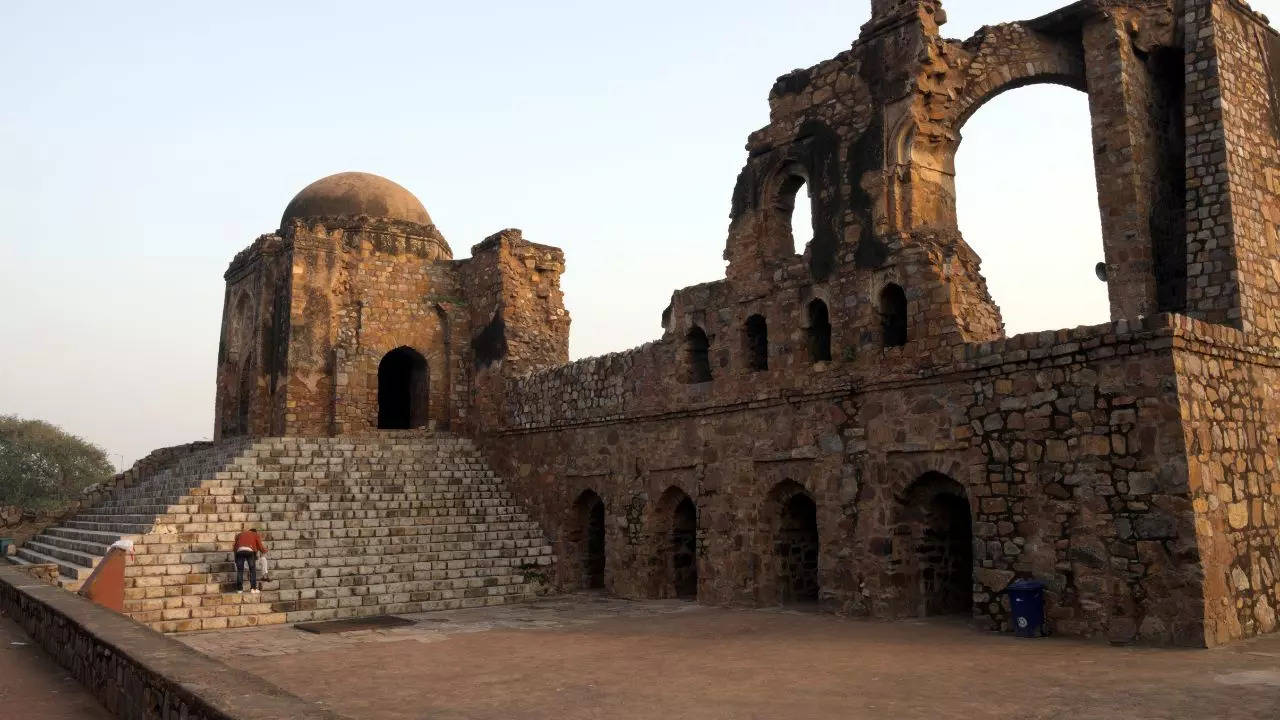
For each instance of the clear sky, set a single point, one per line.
(142, 144)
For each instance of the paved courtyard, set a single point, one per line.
(33, 686)
(585, 657)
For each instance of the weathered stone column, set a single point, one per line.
(1120, 99)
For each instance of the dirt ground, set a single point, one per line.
(33, 686)
(582, 657)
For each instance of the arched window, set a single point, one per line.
(796, 205)
(819, 332)
(755, 336)
(698, 356)
(402, 390)
(893, 315)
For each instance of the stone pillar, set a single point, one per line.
(1120, 99)
(1232, 170)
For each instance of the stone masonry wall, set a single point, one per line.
(1080, 455)
(1231, 418)
(1068, 447)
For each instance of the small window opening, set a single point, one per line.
(756, 340)
(796, 205)
(698, 349)
(819, 332)
(893, 315)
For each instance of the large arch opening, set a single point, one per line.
(402, 390)
(586, 538)
(1027, 204)
(935, 518)
(796, 546)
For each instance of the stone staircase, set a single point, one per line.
(401, 521)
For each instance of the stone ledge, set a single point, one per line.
(138, 673)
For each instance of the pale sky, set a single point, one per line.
(142, 144)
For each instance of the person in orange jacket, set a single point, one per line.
(246, 547)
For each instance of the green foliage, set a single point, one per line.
(41, 465)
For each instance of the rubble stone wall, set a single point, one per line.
(1227, 387)
(1068, 448)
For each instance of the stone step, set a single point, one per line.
(352, 571)
(297, 566)
(88, 547)
(115, 527)
(241, 621)
(91, 536)
(64, 556)
(410, 499)
(225, 594)
(66, 569)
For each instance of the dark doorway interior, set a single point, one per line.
(684, 549)
(698, 349)
(797, 550)
(893, 315)
(402, 390)
(593, 555)
(946, 556)
(819, 332)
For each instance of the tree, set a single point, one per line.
(42, 465)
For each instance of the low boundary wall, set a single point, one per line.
(135, 672)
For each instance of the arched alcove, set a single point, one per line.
(935, 520)
(697, 348)
(585, 537)
(893, 315)
(819, 331)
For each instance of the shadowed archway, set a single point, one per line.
(935, 518)
(402, 390)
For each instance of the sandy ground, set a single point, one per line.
(583, 657)
(33, 686)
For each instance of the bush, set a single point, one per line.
(41, 465)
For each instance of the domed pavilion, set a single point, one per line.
(353, 316)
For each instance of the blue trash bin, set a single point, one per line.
(1026, 600)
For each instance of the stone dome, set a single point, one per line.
(355, 193)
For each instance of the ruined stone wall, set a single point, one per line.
(1068, 447)
(517, 316)
(253, 346)
(1248, 145)
(1231, 416)
(944, 461)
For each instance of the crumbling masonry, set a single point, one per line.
(849, 426)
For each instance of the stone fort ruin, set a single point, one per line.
(848, 427)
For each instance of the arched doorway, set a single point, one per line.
(684, 549)
(402, 390)
(937, 520)
(796, 546)
(587, 538)
(675, 533)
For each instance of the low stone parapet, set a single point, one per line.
(135, 672)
